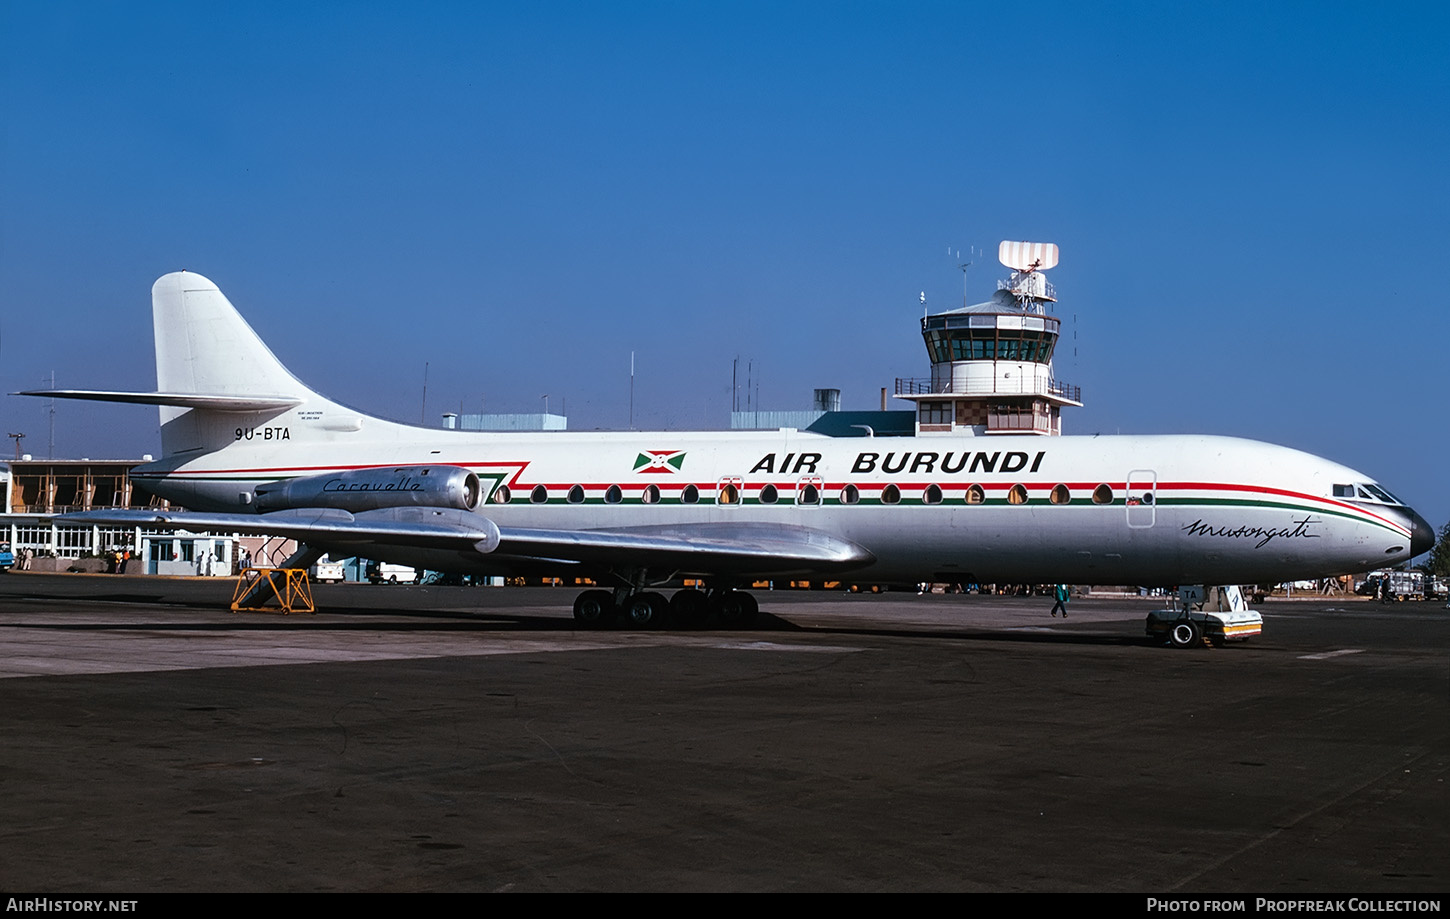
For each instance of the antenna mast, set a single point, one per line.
(50, 450)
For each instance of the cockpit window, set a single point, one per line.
(1366, 490)
(1381, 494)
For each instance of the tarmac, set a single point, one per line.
(472, 739)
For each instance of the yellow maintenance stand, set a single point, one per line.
(288, 586)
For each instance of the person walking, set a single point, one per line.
(1062, 594)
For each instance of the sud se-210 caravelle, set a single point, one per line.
(249, 448)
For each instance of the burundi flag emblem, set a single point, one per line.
(659, 462)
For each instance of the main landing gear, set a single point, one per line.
(688, 608)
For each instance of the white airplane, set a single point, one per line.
(249, 448)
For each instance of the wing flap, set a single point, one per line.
(703, 548)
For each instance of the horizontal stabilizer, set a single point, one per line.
(216, 403)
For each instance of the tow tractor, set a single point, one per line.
(1205, 615)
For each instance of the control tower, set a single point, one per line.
(991, 364)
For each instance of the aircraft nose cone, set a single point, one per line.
(1422, 535)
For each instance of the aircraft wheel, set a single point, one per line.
(645, 611)
(690, 607)
(1185, 634)
(594, 608)
(736, 609)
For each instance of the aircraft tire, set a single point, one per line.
(593, 609)
(645, 611)
(736, 609)
(690, 608)
(1185, 634)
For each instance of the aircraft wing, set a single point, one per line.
(703, 548)
(419, 527)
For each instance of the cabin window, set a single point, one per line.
(769, 494)
(1103, 494)
(975, 495)
(576, 494)
(501, 495)
(540, 495)
(850, 494)
(1017, 495)
(613, 495)
(932, 494)
(727, 493)
(808, 491)
(1060, 495)
(650, 495)
(689, 495)
(890, 495)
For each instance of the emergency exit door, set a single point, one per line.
(1142, 498)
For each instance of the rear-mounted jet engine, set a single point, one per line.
(368, 489)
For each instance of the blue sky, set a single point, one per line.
(1249, 199)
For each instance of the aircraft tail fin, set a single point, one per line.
(221, 377)
(217, 383)
(205, 348)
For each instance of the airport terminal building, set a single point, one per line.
(35, 491)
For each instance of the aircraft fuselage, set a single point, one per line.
(1104, 509)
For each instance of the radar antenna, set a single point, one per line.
(1027, 283)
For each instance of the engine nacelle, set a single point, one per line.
(368, 489)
